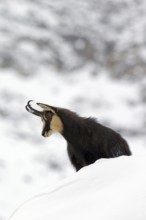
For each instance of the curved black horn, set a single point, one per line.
(32, 110)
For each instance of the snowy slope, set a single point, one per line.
(68, 34)
(109, 189)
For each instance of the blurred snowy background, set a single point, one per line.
(88, 56)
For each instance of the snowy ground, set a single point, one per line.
(109, 189)
(27, 161)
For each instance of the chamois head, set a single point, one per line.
(50, 119)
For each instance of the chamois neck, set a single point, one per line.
(72, 125)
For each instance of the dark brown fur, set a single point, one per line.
(88, 140)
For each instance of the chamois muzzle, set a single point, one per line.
(32, 110)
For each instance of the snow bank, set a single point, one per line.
(109, 189)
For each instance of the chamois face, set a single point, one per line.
(49, 117)
(51, 121)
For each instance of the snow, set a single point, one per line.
(109, 189)
(53, 28)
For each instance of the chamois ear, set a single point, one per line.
(47, 107)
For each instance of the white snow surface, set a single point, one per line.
(108, 189)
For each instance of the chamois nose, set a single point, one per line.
(44, 134)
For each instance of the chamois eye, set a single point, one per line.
(48, 114)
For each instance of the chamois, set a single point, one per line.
(87, 140)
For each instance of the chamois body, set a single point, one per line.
(87, 140)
